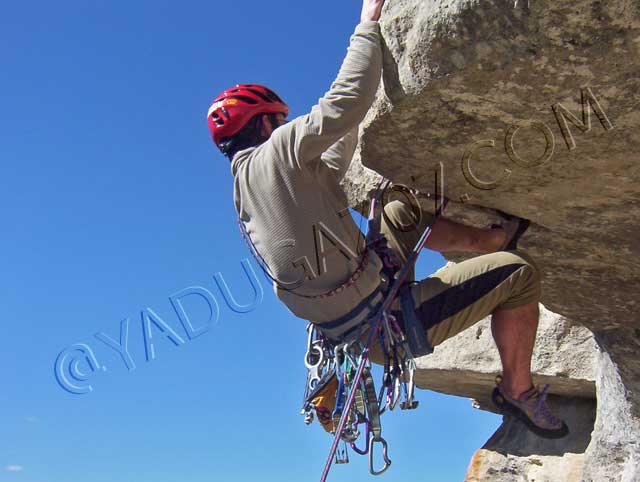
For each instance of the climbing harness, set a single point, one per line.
(340, 389)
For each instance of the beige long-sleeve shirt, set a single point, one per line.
(287, 192)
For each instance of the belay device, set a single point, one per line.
(340, 390)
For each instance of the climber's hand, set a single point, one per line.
(371, 10)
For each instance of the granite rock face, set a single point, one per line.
(533, 108)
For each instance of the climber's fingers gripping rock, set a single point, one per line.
(371, 10)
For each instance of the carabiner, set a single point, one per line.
(366, 444)
(410, 403)
(397, 390)
(385, 456)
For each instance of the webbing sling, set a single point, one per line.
(372, 403)
(375, 427)
(413, 328)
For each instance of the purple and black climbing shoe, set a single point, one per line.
(531, 408)
(514, 228)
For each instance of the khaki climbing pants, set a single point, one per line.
(458, 296)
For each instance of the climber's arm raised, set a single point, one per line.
(345, 104)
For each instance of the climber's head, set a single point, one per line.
(244, 116)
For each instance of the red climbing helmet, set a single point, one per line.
(232, 109)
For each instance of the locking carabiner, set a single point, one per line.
(385, 456)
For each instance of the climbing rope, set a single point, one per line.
(339, 373)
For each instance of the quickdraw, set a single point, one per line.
(340, 371)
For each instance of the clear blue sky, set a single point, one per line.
(114, 198)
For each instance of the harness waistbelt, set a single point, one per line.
(348, 324)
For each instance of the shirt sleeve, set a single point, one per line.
(303, 140)
(339, 155)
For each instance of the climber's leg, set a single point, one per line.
(503, 284)
(507, 286)
(514, 332)
(458, 296)
(403, 230)
(448, 236)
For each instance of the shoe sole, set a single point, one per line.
(523, 225)
(502, 404)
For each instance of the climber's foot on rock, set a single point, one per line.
(532, 409)
(514, 227)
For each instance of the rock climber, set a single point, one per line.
(294, 212)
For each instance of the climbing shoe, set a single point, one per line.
(514, 227)
(532, 409)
